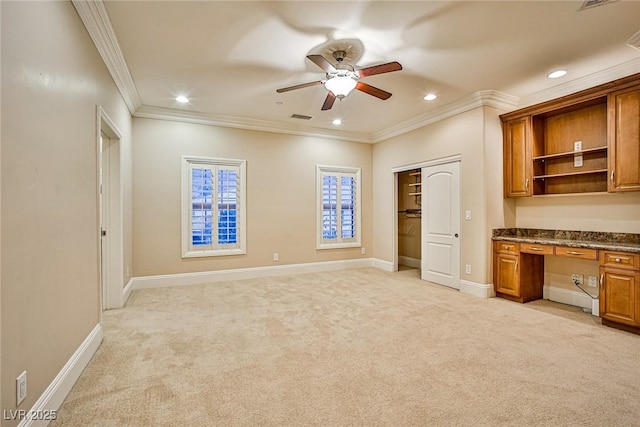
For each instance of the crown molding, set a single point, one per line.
(484, 98)
(151, 112)
(95, 18)
(601, 77)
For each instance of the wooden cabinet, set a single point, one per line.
(507, 277)
(587, 142)
(517, 163)
(624, 140)
(620, 288)
(517, 276)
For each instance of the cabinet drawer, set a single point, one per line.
(581, 253)
(506, 247)
(624, 260)
(533, 248)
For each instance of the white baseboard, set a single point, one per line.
(565, 296)
(197, 278)
(409, 262)
(126, 292)
(383, 265)
(477, 289)
(61, 385)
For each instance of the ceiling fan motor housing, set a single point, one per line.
(339, 55)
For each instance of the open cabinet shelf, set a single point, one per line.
(585, 142)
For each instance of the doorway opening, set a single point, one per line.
(110, 212)
(409, 191)
(427, 225)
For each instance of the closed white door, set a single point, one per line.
(441, 224)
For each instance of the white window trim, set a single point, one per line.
(320, 242)
(187, 250)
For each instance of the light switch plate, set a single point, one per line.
(467, 215)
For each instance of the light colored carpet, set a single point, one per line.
(354, 348)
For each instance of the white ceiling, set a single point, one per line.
(229, 57)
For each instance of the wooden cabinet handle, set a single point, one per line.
(505, 247)
(612, 173)
(574, 253)
(526, 184)
(533, 248)
(516, 267)
(602, 281)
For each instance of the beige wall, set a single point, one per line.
(281, 191)
(596, 212)
(52, 80)
(464, 135)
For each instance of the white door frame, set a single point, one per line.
(395, 171)
(111, 293)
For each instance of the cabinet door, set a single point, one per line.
(507, 277)
(517, 158)
(618, 296)
(624, 140)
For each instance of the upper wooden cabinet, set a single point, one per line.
(624, 140)
(517, 164)
(582, 143)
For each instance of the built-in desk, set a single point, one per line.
(518, 267)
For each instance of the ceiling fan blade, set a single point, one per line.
(328, 102)
(380, 69)
(371, 90)
(303, 85)
(321, 62)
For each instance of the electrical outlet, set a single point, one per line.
(577, 146)
(467, 268)
(275, 256)
(593, 281)
(578, 279)
(363, 251)
(21, 388)
(577, 161)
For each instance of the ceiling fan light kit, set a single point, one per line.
(340, 85)
(341, 79)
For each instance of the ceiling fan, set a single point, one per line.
(343, 78)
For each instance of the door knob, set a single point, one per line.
(456, 235)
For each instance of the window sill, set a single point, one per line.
(212, 253)
(338, 245)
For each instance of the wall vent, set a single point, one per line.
(301, 117)
(634, 41)
(588, 4)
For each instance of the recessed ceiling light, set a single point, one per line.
(182, 99)
(430, 97)
(337, 122)
(556, 74)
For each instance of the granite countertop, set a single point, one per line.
(627, 242)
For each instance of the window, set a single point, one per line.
(338, 196)
(213, 207)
